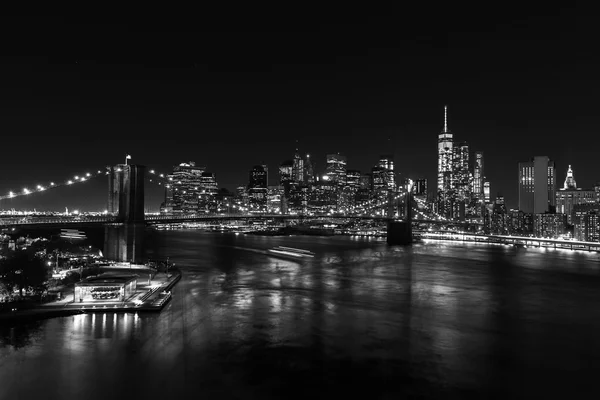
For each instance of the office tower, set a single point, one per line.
(298, 168)
(207, 199)
(353, 179)
(185, 187)
(461, 180)
(445, 167)
(570, 180)
(499, 218)
(478, 175)
(336, 169)
(366, 181)
(285, 172)
(486, 191)
(548, 225)
(258, 177)
(537, 185)
(445, 156)
(570, 195)
(308, 170)
(379, 179)
(461, 177)
(386, 165)
(420, 187)
(258, 188)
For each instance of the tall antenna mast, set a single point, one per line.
(445, 119)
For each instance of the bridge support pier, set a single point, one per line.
(399, 232)
(124, 242)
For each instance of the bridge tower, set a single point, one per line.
(400, 232)
(123, 241)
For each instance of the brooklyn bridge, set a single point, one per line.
(125, 219)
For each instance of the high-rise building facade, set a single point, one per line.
(537, 185)
(185, 187)
(461, 180)
(258, 177)
(336, 169)
(420, 187)
(499, 217)
(445, 164)
(570, 196)
(258, 188)
(478, 175)
(309, 171)
(298, 172)
(386, 164)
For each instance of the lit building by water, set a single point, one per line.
(549, 225)
(336, 169)
(516, 222)
(298, 172)
(275, 200)
(258, 188)
(386, 163)
(499, 217)
(478, 175)
(445, 164)
(486, 191)
(309, 170)
(585, 221)
(570, 195)
(461, 180)
(537, 185)
(191, 189)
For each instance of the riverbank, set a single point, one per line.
(514, 241)
(150, 296)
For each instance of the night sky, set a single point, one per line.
(233, 90)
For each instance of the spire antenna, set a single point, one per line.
(445, 119)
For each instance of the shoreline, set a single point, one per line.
(42, 312)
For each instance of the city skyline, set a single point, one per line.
(246, 99)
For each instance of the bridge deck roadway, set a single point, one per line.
(33, 221)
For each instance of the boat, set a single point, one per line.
(291, 252)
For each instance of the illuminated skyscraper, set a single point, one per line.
(258, 177)
(258, 188)
(336, 169)
(445, 164)
(478, 175)
(570, 196)
(537, 185)
(185, 187)
(298, 168)
(308, 169)
(386, 164)
(460, 168)
(486, 191)
(285, 172)
(420, 188)
(570, 180)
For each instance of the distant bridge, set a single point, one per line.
(153, 219)
(125, 218)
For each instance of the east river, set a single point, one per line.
(361, 319)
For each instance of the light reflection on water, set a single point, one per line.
(434, 319)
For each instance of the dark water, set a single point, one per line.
(437, 320)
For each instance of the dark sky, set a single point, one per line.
(230, 90)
